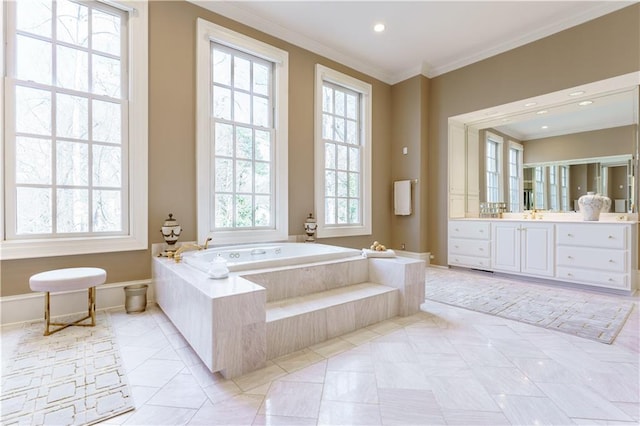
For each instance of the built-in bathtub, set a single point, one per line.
(260, 256)
(274, 303)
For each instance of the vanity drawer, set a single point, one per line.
(469, 247)
(588, 258)
(469, 261)
(469, 229)
(598, 278)
(592, 235)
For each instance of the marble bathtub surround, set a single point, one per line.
(236, 324)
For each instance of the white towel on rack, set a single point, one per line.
(402, 197)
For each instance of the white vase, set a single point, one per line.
(591, 205)
(607, 204)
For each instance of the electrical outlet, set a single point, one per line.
(402, 246)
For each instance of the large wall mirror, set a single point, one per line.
(544, 153)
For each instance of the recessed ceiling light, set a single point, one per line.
(578, 93)
(379, 27)
(530, 104)
(585, 103)
(542, 111)
(544, 127)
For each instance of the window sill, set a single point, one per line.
(346, 231)
(29, 249)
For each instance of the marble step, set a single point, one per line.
(310, 278)
(298, 322)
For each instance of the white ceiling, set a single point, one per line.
(428, 37)
(435, 37)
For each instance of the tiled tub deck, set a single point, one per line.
(236, 324)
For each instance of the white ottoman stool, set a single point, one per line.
(66, 280)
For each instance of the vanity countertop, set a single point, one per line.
(607, 218)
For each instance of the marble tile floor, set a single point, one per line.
(444, 365)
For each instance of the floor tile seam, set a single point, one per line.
(173, 405)
(591, 387)
(531, 381)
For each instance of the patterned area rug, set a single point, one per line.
(589, 315)
(74, 376)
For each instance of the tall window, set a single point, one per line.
(553, 188)
(539, 183)
(68, 101)
(241, 137)
(242, 140)
(493, 167)
(515, 177)
(564, 187)
(343, 154)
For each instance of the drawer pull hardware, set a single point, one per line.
(481, 249)
(610, 237)
(610, 260)
(569, 257)
(610, 280)
(569, 274)
(569, 235)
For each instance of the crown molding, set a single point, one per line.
(595, 11)
(234, 10)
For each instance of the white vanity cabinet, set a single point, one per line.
(596, 254)
(470, 244)
(523, 247)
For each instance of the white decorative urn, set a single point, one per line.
(591, 205)
(310, 226)
(170, 232)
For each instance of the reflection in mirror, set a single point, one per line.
(558, 186)
(546, 156)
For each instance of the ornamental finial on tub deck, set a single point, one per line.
(171, 231)
(310, 226)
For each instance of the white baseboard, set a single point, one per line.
(413, 255)
(30, 306)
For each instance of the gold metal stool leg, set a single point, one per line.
(92, 305)
(91, 314)
(47, 314)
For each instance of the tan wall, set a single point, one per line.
(602, 48)
(172, 178)
(408, 108)
(597, 143)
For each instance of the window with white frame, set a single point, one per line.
(342, 154)
(76, 77)
(564, 187)
(515, 177)
(241, 138)
(493, 167)
(539, 183)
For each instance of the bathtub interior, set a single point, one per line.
(257, 256)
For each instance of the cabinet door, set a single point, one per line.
(537, 249)
(506, 247)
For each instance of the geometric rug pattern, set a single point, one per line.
(74, 376)
(592, 316)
